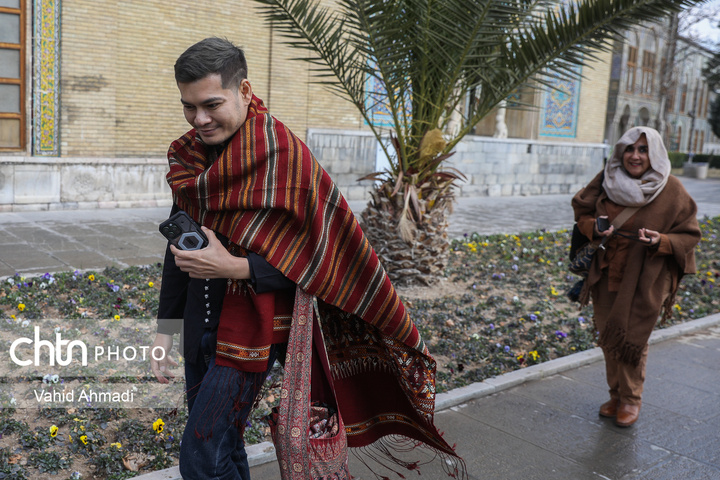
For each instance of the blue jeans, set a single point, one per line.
(219, 405)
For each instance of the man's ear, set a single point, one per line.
(245, 91)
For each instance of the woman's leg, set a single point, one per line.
(602, 304)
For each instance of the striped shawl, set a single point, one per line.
(269, 195)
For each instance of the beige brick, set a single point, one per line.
(119, 96)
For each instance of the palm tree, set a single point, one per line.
(430, 56)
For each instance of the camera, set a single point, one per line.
(183, 232)
(602, 224)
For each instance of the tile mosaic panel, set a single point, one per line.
(46, 77)
(559, 115)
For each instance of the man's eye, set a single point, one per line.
(213, 106)
(188, 107)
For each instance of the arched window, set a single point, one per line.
(624, 119)
(647, 78)
(631, 64)
(679, 138)
(683, 97)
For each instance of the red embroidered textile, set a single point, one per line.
(268, 194)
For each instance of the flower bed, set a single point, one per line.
(502, 307)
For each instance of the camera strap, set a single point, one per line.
(618, 222)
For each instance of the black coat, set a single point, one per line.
(193, 305)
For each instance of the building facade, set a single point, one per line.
(88, 102)
(573, 111)
(655, 83)
(88, 106)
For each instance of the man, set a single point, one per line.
(274, 220)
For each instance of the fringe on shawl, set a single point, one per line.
(670, 301)
(387, 452)
(614, 342)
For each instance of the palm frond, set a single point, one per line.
(428, 54)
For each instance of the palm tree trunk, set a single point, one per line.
(422, 259)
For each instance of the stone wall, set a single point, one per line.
(35, 183)
(346, 155)
(493, 167)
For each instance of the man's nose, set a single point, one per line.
(202, 117)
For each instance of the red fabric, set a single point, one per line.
(269, 195)
(249, 324)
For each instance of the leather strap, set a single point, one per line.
(618, 222)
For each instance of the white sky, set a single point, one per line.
(703, 24)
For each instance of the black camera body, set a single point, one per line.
(183, 232)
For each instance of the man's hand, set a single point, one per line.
(161, 368)
(650, 236)
(213, 261)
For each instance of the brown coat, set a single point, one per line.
(638, 272)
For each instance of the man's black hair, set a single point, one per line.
(209, 56)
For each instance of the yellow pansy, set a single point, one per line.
(158, 425)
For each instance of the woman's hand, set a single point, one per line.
(213, 261)
(604, 233)
(651, 237)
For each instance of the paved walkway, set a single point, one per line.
(537, 423)
(49, 241)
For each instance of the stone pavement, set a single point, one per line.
(56, 240)
(541, 422)
(536, 423)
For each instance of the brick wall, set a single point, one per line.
(593, 99)
(119, 96)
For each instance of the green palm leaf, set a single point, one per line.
(435, 51)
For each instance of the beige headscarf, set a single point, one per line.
(625, 190)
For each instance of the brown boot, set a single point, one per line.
(627, 415)
(609, 409)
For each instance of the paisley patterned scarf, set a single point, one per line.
(269, 195)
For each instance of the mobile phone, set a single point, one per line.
(183, 232)
(602, 224)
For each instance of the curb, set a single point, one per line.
(262, 453)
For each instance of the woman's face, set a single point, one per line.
(636, 158)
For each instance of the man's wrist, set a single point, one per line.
(239, 269)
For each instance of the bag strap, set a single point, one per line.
(624, 216)
(619, 221)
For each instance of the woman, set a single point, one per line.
(636, 276)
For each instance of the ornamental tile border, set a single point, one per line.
(46, 75)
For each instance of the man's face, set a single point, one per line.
(215, 112)
(636, 158)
